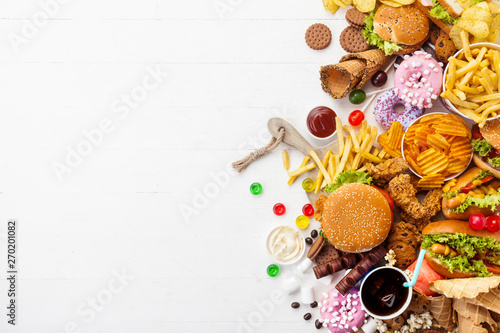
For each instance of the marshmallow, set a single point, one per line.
(417, 94)
(436, 69)
(430, 89)
(401, 80)
(423, 80)
(307, 294)
(414, 102)
(370, 326)
(305, 265)
(431, 65)
(410, 95)
(405, 65)
(428, 56)
(426, 72)
(408, 84)
(434, 96)
(405, 91)
(290, 285)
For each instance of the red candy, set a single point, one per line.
(356, 117)
(477, 221)
(279, 209)
(308, 210)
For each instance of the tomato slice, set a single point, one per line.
(387, 196)
(487, 179)
(493, 269)
(467, 188)
(475, 132)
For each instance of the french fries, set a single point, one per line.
(286, 159)
(353, 151)
(472, 82)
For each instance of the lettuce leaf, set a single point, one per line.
(483, 174)
(495, 161)
(481, 146)
(450, 194)
(373, 39)
(490, 200)
(462, 264)
(440, 13)
(475, 2)
(468, 245)
(348, 177)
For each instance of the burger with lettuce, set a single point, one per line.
(486, 146)
(396, 30)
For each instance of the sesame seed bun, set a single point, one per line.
(491, 132)
(406, 25)
(356, 218)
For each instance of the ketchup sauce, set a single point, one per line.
(321, 121)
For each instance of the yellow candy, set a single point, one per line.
(308, 185)
(302, 222)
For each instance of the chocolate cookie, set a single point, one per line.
(355, 18)
(352, 40)
(435, 33)
(405, 253)
(445, 48)
(395, 324)
(318, 36)
(419, 303)
(327, 253)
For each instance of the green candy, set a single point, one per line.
(357, 96)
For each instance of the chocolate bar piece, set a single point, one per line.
(361, 269)
(347, 261)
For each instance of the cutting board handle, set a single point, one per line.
(292, 136)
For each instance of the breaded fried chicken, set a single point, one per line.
(318, 207)
(404, 195)
(385, 171)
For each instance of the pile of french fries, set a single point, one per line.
(354, 150)
(472, 82)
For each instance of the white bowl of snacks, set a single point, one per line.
(469, 87)
(286, 245)
(438, 147)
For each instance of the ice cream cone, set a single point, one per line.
(465, 288)
(338, 80)
(440, 308)
(374, 60)
(466, 325)
(490, 301)
(476, 313)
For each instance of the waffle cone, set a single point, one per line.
(338, 80)
(374, 60)
(474, 312)
(466, 325)
(465, 288)
(490, 301)
(440, 308)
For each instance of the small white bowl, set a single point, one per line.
(326, 138)
(454, 175)
(446, 103)
(403, 308)
(294, 260)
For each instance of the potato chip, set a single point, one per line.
(330, 6)
(461, 148)
(456, 165)
(455, 36)
(421, 136)
(494, 8)
(395, 135)
(431, 181)
(450, 129)
(391, 3)
(438, 142)
(494, 29)
(479, 29)
(477, 13)
(364, 6)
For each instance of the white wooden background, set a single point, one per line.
(119, 209)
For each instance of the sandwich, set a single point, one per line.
(476, 191)
(396, 30)
(357, 216)
(455, 250)
(444, 13)
(486, 146)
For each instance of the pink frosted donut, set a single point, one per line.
(385, 114)
(342, 314)
(418, 80)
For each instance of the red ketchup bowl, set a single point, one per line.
(321, 122)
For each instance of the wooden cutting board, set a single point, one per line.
(294, 139)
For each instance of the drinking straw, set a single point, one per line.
(417, 270)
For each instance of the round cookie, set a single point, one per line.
(352, 40)
(395, 324)
(435, 33)
(355, 18)
(318, 36)
(405, 254)
(419, 303)
(445, 48)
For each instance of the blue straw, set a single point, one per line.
(417, 269)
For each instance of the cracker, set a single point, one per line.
(352, 40)
(355, 18)
(318, 36)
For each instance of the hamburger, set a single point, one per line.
(455, 250)
(486, 146)
(396, 30)
(476, 191)
(356, 217)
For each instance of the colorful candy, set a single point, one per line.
(357, 96)
(273, 270)
(308, 185)
(279, 209)
(256, 188)
(308, 210)
(302, 221)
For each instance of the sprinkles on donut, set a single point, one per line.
(418, 80)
